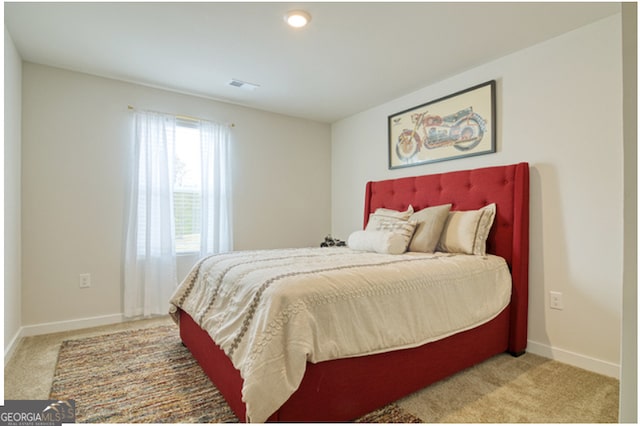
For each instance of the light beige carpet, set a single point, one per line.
(528, 389)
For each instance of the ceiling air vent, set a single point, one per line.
(243, 84)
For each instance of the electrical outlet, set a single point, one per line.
(85, 280)
(555, 300)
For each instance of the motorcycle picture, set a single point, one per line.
(463, 130)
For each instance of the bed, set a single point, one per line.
(345, 388)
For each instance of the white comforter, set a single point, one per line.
(272, 311)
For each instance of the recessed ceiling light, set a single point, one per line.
(297, 18)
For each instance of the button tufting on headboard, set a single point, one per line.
(507, 186)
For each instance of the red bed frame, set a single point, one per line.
(345, 389)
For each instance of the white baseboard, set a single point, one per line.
(13, 344)
(70, 325)
(57, 327)
(577, 360)
(581, 361)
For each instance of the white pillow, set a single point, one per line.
(429, 224)
(467, 231)
(386, 242)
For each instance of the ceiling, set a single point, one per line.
(351, 57)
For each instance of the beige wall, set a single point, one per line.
(12, 167)
(76, 150)
(629, 355)
(560, 109)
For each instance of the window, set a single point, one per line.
(187, 187)
(179, 202)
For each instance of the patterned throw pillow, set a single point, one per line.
(401, 227)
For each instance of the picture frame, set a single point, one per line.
(459, 125)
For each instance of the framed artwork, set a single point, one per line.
(459, 125)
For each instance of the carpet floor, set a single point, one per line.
(528, 389)
(146, 375)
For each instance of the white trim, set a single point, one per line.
(59, 326)
(577, 360)
(13, 344)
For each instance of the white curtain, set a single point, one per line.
(150, 276)
(150, 260)
(216, 226)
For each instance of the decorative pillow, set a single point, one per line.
(429, 225)
(395, 213)
(404, 227)
(467, 231)
(386, 242)
(382, 216)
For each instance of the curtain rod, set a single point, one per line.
(182, 117)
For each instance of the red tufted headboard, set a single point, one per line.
(508, 187)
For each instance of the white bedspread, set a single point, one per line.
(272, 311)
